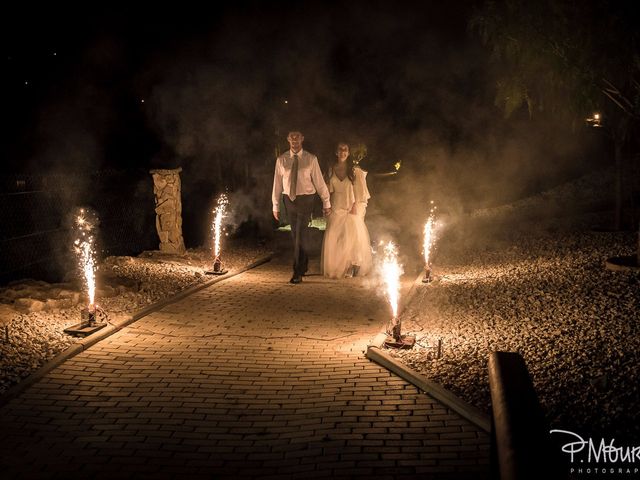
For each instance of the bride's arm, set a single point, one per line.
(352, 200)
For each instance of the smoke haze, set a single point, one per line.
(221, 88)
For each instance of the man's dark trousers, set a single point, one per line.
(299, 213)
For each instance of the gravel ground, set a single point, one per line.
(505, 279)
(539, 288)
(35, 313)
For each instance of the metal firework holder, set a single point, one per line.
(395, 339)
(92, 319)
(428, 276)
(218, 269)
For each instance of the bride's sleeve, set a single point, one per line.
(362, 190)
(352, 194)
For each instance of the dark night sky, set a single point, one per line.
(78, 75)
(72, 71)
(405, 78)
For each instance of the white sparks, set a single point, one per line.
(219, 212)
(391, 272)
(429, 236)
(86, 255)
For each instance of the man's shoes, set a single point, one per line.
(295, 279)
(352, 271)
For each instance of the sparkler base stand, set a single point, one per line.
(427, 276)
(84, 330)
(88, 324)
(217, 268)
(395, 339)
(405, 341)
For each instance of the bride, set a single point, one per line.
(346, 248)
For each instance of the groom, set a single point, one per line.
(297, 179)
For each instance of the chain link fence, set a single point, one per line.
(37, 212)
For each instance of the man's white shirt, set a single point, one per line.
(309, 182)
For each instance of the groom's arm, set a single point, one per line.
(276, 192)
(321, 187)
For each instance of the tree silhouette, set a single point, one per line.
(570, 58)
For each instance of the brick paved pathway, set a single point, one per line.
(250, 377)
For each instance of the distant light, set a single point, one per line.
(286, 101)
(595, 120)
(142, 100)
(54, 54)
(26, 82)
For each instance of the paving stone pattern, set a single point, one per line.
(250, 377)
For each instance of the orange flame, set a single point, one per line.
(391, 272)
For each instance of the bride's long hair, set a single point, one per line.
(351, 168)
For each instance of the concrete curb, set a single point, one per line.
(627, 263)
(376, 354)
(112, 328)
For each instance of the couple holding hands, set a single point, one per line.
(346, 247)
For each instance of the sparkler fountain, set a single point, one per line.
(84, 226)
(429, 237)
(219, 214)
(391, 271)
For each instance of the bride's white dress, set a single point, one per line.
(346, 239)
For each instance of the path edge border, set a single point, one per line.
(376, 354)
(112, 328)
